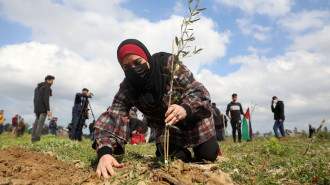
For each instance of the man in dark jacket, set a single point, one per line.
(41, 106)
(235, 109)
(279, 116)
(217, 122)
(311, 130)
(53, 126)
(224, 122)
(79, 114)
(91, 130)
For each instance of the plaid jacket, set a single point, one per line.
(112, 126)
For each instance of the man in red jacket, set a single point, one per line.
(14, 124)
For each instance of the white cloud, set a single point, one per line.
(179, 8)
(305, 20)
(261, 33)
(259, 50)
(94, 34)
(318, 41)
(301, 79)
(271, 8)
(25, 65)
(77, 42)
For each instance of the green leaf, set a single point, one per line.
(167, 68)
(166, 75)
(201, 9)
(199, 50)
(174, 100)
(175, 127)
(178, 88)
(195, 20)
(177, 67)
(176, 41)
(195, 13)
(190, 39)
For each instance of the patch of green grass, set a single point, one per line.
(269, 161)
(263, 161)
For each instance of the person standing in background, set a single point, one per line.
(79, 114)
(52, 126)
(91, 130)
(14, 124)
(20, 128)
(279, 116)
(217, 122)
(235, 109)
(2, 121)
(41, 106)
(224, 122)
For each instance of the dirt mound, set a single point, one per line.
(18, 166)
(23, 167)
(181, 173)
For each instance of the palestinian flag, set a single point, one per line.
(245, 126)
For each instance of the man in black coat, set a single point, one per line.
(218, 122)
(235, 109)
(41, 106)
(279, 116)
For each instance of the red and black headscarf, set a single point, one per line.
(154, 88)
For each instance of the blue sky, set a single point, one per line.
(224, 17)
(254, 48)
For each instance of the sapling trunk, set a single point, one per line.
(175, 65)
(317, 133)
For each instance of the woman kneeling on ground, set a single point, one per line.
(146, 87)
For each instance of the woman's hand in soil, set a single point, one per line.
(174, 114)
(105, 166)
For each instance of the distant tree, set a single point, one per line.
(8, 127)
(325, 129)
(295, 130)
(304, 134)
(45, 129)
(257, 134)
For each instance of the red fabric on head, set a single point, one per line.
(130, 49)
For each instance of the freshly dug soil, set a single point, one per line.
(181, 173)
(23, 167)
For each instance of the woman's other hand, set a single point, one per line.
(175, 114)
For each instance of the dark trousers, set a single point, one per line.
(1, 128)
(92, 136)
(76, 130)
(236, 125)
(53, 131)
(220, 134)
(37, 127)
(206, 151)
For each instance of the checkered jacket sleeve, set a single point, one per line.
(194, 96)
(111, 127)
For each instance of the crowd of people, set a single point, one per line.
(18, 125)
(200, 123)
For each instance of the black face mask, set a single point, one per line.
(138, 75)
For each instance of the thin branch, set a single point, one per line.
(317, 133)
